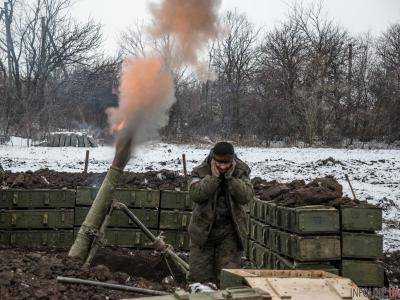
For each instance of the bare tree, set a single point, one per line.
(234, 61)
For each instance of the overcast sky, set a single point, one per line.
(356, 15)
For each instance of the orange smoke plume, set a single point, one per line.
(193, 22)
(145, 88)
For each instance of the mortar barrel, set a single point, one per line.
(96, 215)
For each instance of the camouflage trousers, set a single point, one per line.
(207, 261)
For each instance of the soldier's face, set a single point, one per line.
(223, 163)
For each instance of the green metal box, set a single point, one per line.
(42, 238)
(314, 219)
(131, 238)
(178, 220)
(125, 237)
(36, 219)
(176, 200)
(314, 248)
(178, 240)
(361, 218)
(365, 273)
(14, 198)
(149, 217)
(270, 213)
(361, 245)
(5, 237)
(130, 197)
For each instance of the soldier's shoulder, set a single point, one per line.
(202, 170)
(242, 169)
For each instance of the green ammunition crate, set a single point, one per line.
(176, 200)
(5, 238)
(313, 248)
(314, 219)
(265, 236)
(37, 198)
(364, 273)
(36, 219)
(260, 256)
(125, 237)
(178, 220)
(178, 240)
(253, 229)
(39, 238)
(275, 261)
(257, 254)
(134, 238)
(254, 208)
(132, 198)
(361, 218)
(149, 217)
(270, 213)
(273, 239)
(260, 210)
(361, 245)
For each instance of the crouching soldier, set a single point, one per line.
(219, 187)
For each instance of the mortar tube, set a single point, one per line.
(96, 215)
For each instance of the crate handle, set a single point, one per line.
(12, 239)
(184, 221)
(45, 219)
(44, 239)
(47, 199)
(137, 237)
(13, 219)
(15, 198)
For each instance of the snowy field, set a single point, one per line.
(375, 174)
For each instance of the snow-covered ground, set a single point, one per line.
(375, 174)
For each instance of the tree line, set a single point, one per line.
(308, 79)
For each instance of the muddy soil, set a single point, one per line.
(48, 179)
(320, 191)
(31, 273)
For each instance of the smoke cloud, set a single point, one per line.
(193, 22)
(146, 90)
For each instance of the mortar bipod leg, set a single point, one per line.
(99, 238)
(156, 241)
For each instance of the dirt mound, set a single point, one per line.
(320, 191)
(31, 273)
(48, 179)
(391, 263)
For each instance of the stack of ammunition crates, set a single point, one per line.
(37, 218)
(317, 237)
(51, 218)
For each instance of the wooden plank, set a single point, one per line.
(361, 218)
(362, 245)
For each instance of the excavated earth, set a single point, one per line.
(30, 273)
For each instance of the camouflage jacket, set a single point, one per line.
(204, 190)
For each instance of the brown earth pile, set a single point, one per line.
(321, 191)
(48, 179)
(31, 273)
(391, 263)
